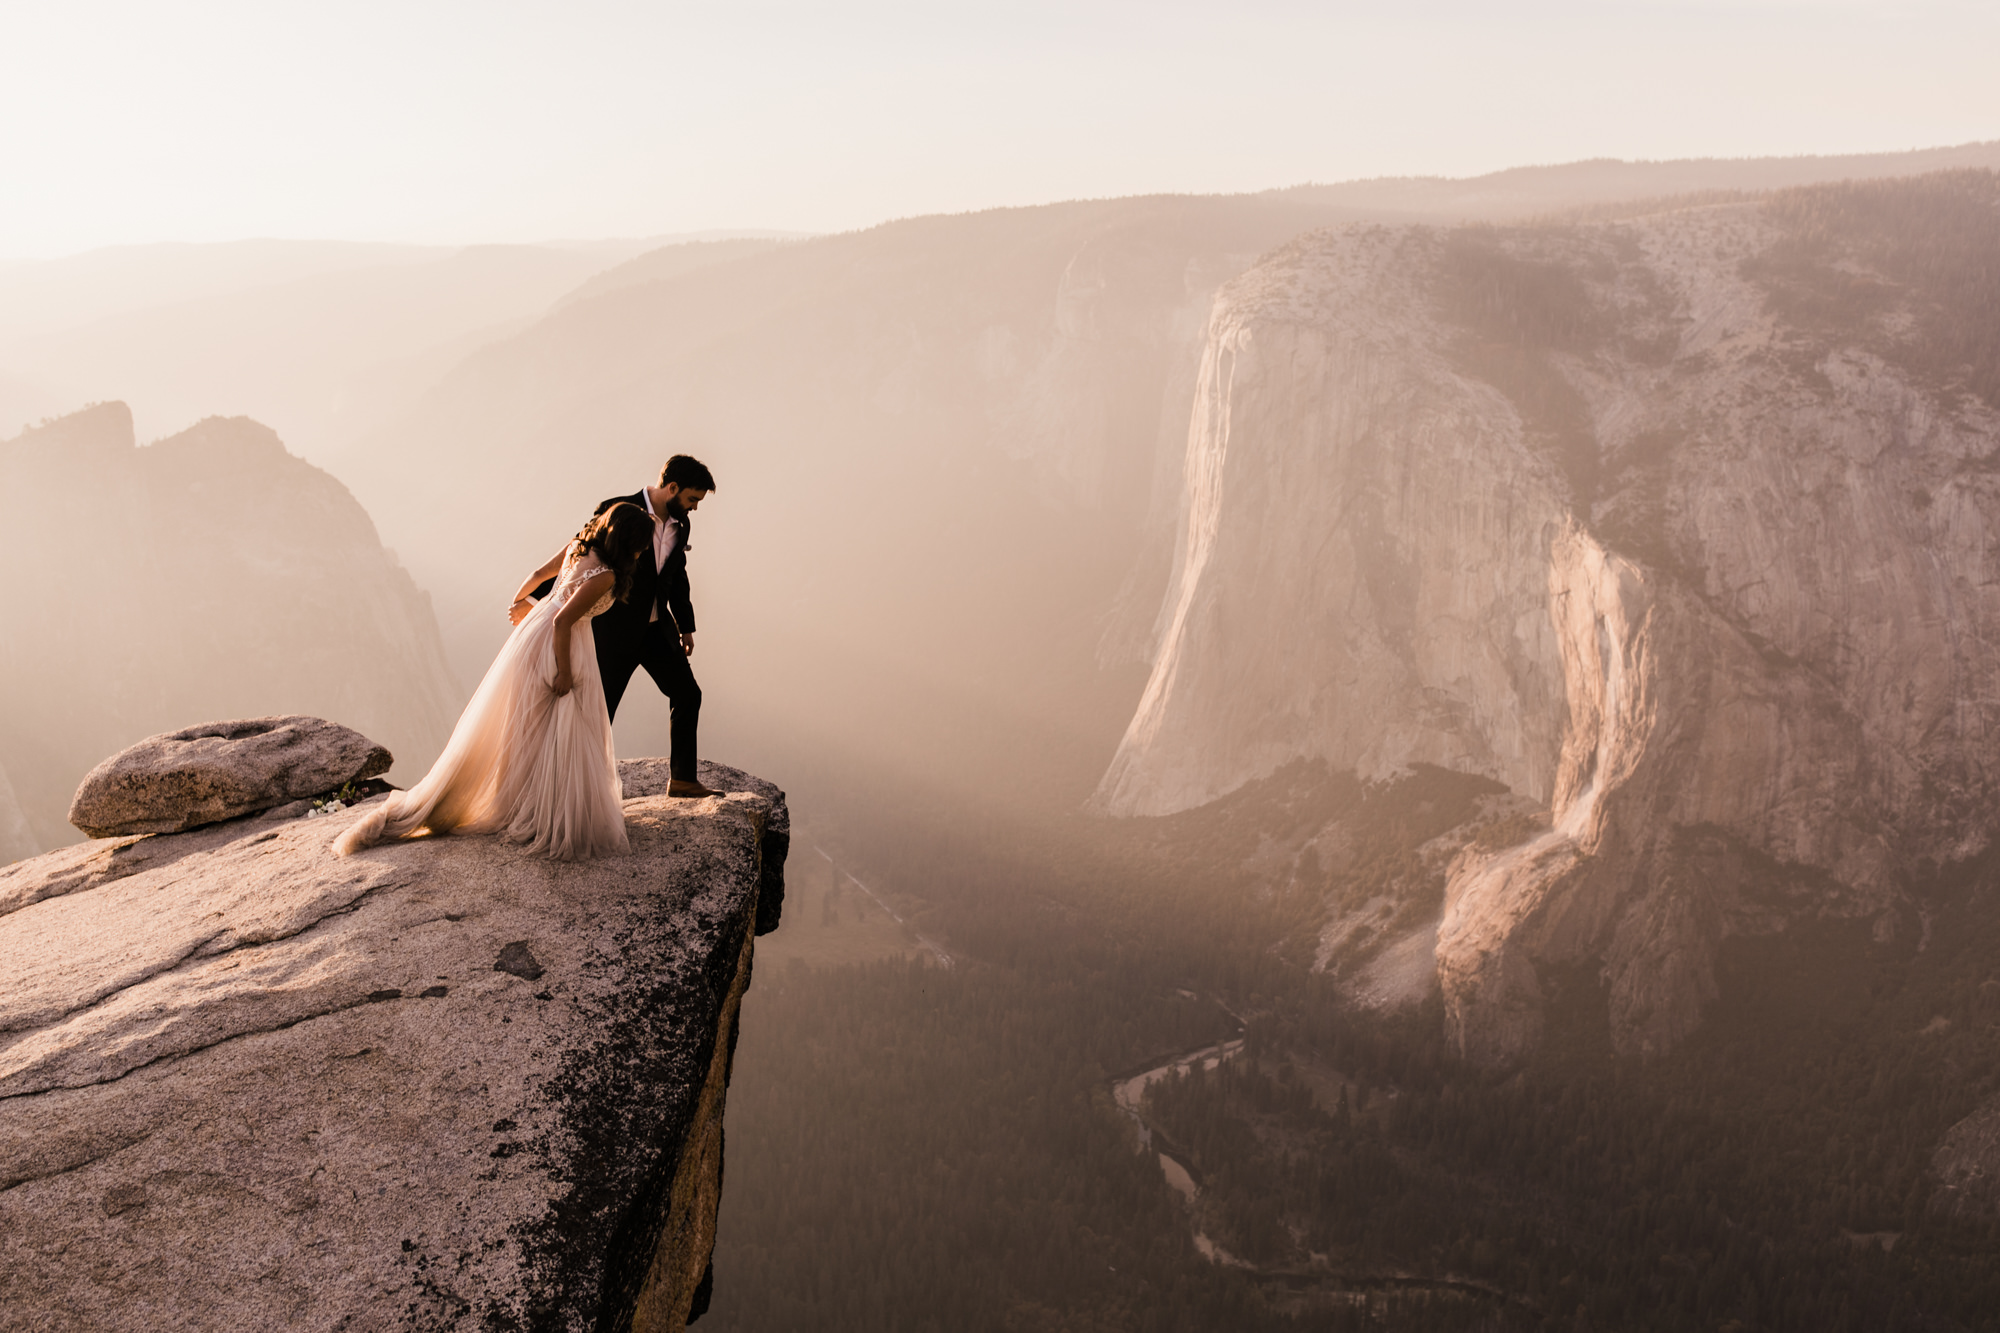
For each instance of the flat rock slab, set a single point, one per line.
(220, 770)
(440, 1085)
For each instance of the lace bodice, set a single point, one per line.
(574, 574)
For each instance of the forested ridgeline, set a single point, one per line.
(916, 1147)
(1913, 264)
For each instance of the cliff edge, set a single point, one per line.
(439, 1085)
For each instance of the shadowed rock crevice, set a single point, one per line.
(68, 1165)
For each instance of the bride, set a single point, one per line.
(531, 757)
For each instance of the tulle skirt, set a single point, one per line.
(536, 769)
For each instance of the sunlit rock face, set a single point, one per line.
(1633, 517)
(208, 575)
(1966, 1164)
(1357, 575)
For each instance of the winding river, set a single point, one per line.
(1129, 1092)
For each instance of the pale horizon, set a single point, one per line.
(438, 125)
(775, 233)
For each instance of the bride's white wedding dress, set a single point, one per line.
(523, 763)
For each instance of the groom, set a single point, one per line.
(654, 627)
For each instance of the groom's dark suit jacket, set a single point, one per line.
(665, 587)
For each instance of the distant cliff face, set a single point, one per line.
(211, 574)
(1681, 526)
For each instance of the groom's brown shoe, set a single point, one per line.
(682, 787)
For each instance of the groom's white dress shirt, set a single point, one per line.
(665, 536)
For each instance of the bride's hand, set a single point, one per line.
(562, 684)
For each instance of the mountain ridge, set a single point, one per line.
(237, 576)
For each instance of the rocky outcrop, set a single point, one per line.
(1359, 574)
(209, 575)
(1613, 515)
(246, 1084)
(221, 770)
(1966, 1165)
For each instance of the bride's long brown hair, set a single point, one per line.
(619, 536)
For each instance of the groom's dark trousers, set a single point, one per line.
(657, 648)
(629, 637)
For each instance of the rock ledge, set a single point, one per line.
(244, 1084)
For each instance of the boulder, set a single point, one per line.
(220, 770)
(437, 1085)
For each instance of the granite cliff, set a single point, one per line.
(211, 574)
(1677, 525)
(440, 1085)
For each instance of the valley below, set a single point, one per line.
(961, 1146)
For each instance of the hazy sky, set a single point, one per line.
(417, 121)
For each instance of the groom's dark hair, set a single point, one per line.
(690, 474)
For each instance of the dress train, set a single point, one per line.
(536, 769)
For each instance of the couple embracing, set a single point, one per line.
(531, 758)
